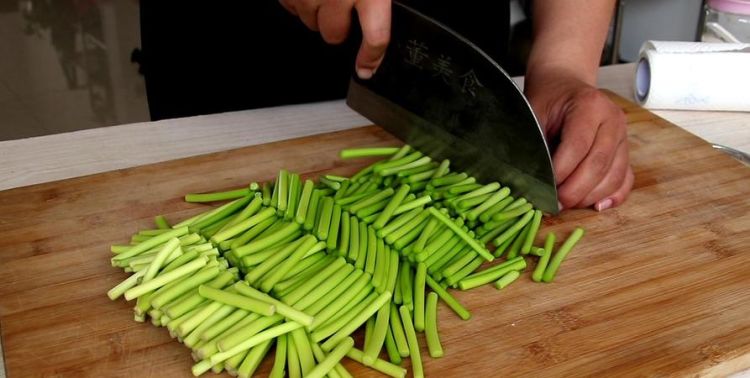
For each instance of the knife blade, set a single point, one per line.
(438, 92)
(743, 157)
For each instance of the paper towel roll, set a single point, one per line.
(694, 76)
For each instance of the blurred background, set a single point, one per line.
(65, 65)
(74, 64)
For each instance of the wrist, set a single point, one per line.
(541, 71)
(552, 89)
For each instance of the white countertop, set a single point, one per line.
(55, 157)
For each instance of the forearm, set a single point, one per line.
(569, 36)
(590, 160)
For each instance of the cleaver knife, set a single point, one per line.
(438, 92)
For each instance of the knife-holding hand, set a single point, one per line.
(332, 18)
(591, 161)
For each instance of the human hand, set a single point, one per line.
(591, 161)
(333, 19)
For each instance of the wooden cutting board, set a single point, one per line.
(659, 286)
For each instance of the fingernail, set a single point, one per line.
(603, 204)
(364, 73)
(559, 205)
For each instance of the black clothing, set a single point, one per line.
(209, 57)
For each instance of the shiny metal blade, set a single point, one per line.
(440, 93)
(743, 157)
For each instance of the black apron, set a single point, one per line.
(209, 57)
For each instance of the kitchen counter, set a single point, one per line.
(54, 157)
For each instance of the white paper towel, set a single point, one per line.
(694, 76)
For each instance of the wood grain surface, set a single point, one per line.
(657, 287)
